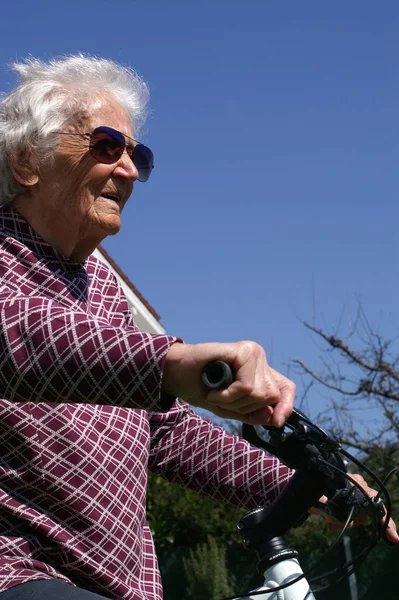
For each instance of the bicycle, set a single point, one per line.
(320, 470)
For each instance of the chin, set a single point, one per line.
(106, 229)
(113, 232)
(112, 224)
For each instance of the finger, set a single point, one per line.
(363, 483)
(265, 384)
(259, 417)
(250, 392)
(252, 369)
(238, 393)
(246, 406)
(284, 407)
(391, 532)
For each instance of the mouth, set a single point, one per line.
(112, 197)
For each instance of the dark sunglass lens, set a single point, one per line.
(106, 145)
(143, 159)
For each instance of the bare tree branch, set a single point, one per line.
(366, 379)
(335, 342)
(323, 381)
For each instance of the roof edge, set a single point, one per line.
(128, 282)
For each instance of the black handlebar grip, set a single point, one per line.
(217, 375)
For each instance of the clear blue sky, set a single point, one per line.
(275, 131)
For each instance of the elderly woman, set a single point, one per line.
(89, 401)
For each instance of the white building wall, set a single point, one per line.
(143, 318)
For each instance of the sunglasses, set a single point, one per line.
(107, 146)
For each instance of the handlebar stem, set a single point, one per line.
(281, 567)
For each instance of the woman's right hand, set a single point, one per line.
(258, 394)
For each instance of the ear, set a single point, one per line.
(24, 169)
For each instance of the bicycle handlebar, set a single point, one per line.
(315, 456)
(320, 470)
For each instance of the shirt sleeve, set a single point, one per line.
(198, 454)
(50, 352)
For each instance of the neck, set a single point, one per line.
(62, 236)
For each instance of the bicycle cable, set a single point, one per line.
(358, 559)
(314, 446)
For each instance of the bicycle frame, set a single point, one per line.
(279, 574)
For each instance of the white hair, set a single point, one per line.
(50, 96)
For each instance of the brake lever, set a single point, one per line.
(338, 507)
(218, 375)
(296, 417)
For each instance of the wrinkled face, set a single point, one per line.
(79, 196)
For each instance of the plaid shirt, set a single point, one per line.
(82, 419)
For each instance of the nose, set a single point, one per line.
(126, 169)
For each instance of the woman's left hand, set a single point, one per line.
(362, 517)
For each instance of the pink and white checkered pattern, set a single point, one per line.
(81, 422)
